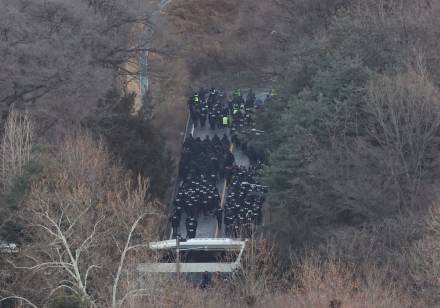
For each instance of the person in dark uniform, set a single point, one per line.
(212, 120)
(236, 230)
(206, 280)
(228, 224)
(203, 116)
(204, 162)
(191, 221)
(228, 174)
(191, 233)
(191, 226)
(205, 205)
(250, 99)
(219, 118)
(219, 215)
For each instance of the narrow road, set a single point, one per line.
(207, 226)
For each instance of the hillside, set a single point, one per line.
(344, 148)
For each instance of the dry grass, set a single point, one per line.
(336, 284)
(312, 283)
(319, 285)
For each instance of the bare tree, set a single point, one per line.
(406, 116)
(60, 57)
(16, 146)
(334, 283)
(256, 279)
(83, 235)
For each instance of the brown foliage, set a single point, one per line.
(86, 218)
(60, 57)
(406, 111)
(337, 284)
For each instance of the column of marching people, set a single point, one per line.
(204, 163)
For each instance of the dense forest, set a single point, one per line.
(350, 137)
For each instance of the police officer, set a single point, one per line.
(196, 99)
(212, 120)
(250, 99)
(191, 232)
(191, 226)
(205, 204)
(206, 280)
(236, 230)
(203, 116)
(228, 223)
(219, 118)
(214, 200)
(219, 215)
(235, 110)
(225, 121)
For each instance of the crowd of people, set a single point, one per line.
(203, 163)
(215, 108)
(208, 157)
(244, 202)
(209, 107)
(207, 162)
(242, 110)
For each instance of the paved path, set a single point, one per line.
(207, 225)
